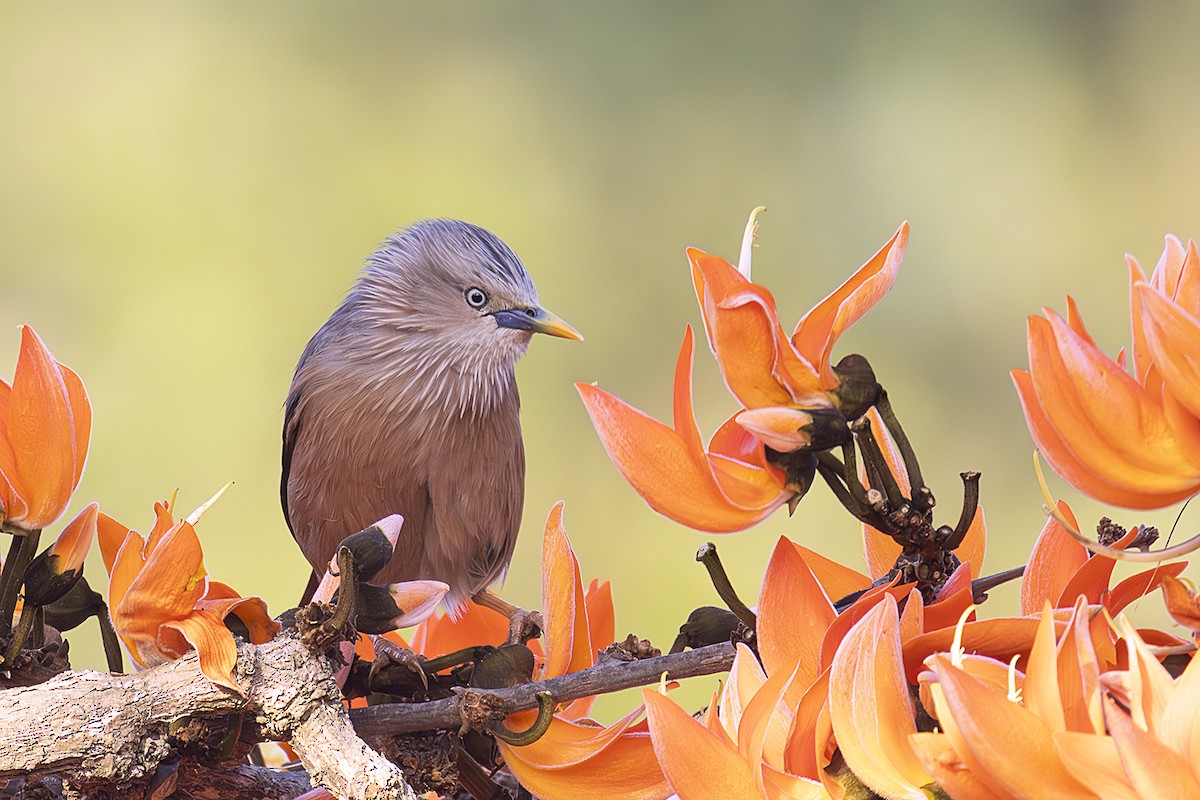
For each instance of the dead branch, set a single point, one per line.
(94, 728)
(610, 675)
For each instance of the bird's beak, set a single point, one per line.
(538, 320)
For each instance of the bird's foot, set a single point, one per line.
(388, 653)
(524, 625)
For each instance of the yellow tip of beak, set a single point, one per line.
(554, 326)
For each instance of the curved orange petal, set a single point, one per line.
(1009, 741)
(800, 756)
(165, 587)
(782, 786)
(1154, 769)
(1112, 423)
(1182, 605)
(1000, 638)
(1169, 268)
(871, 711)
(252, 611)
(41, 434)
(440, 635)
(820, 328)
(696, 762)
(1091, 580)
(1040, 692)
(939, 758)
(110, 534)
(73, 543)
(846, 620)
(765, 723)
(746, 677)
(11, 490)
(1173, 339)
(793, 615)
(1138, 586)
(212, 641)
(662, 463)
(1178, 727)
(1055, 558)
(837, 580)
(568, 643)
(81, 417)
(1140, 353)
(1081, 474)
(756, 359)
(1093, 760)
(601, 617)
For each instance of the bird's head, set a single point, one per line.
(453, 295)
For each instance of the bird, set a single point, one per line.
(405, 402)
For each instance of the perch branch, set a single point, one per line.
(611, 675)
(91, 727)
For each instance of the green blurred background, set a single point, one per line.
(187, 189)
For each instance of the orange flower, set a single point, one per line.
(1060, 569)
(45, 422)
(761, 366)
(57, 568)
(1070, 726)
(792, 397)
(727, 487)
(1130, 440)
(1183, 604)
(163, 604)
(578, 758)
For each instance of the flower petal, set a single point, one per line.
(1154, 769)
(696, 762)
(1182, 605)
(756, 359)
(73, 543)
(1011, 743)
(213, 642)
(1173, 339)
(568, 641)
(1093, 760)
(662, 463)
(41, 434)
(939, 758)
(578, 761)
(870, 707)
(793, 614)
(1056, 557)
(820, 328)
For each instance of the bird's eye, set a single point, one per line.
(476, 298)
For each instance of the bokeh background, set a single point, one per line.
(187, 189)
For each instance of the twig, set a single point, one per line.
(376, 722)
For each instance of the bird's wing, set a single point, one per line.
(291, 434)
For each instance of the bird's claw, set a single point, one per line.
(524, 625)
(388, 653)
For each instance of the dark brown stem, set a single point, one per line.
(112, 645)
(607, 676)
(875, 460)
(707, 555)
(545, 707)
(347, 604)
(22, 551)
(19, 634)
(892, 423)
(970, 504)
(980, 586)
